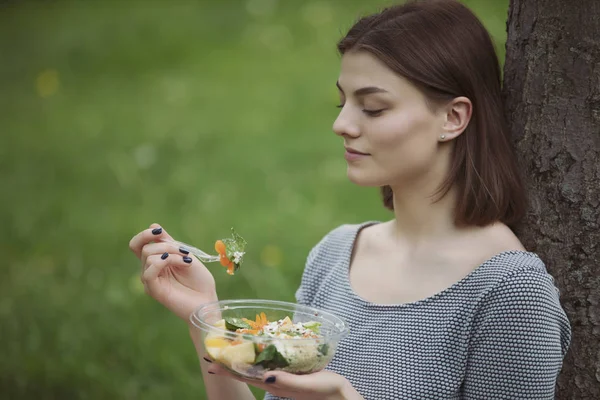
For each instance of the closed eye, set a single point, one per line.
(370, 113)
(374, 113)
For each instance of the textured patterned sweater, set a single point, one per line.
(498, 333)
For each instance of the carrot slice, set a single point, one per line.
(224, 260)
(220, 247)
(261, 321)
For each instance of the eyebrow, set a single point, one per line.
(364, 91)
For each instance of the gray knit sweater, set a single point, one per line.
(499, 333)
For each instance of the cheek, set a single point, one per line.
(402, 134)
(404, 143)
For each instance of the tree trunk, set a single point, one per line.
(552, 92)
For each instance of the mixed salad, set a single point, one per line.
(231, 251)
(280, 346)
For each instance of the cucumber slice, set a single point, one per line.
(313, 326)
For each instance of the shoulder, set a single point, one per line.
(493, 249)
(486, 242)
(338, 242)
(503, 237)
(518, 271)
(334, 247)
(520, 274)
(520, 295)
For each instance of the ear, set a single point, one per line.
(458, 114)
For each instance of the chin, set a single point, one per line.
(361, 179)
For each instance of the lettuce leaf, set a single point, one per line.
(271, 359)
(233, 245)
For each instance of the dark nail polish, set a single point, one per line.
(187, 259)
(210, 372)
(165, 255)
(184, 251)
(207, 359)
(270, 379)
(156, 231)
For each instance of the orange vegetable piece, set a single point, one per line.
(261, 320)
(220, 247)
(224, 260)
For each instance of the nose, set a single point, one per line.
(344, 124)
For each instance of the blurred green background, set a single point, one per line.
(198, 115)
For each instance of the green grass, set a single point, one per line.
(197, 115)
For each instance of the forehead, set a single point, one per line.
(360, 69)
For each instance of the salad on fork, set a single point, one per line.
(230, 251)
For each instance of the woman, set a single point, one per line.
(461, 309)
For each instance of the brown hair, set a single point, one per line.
(443, 49)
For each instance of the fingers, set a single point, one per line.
(266, 383)
(153, 234)
(159, 248)
(216, 369)
(156, 263)
(322, 382)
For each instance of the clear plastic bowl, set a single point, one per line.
(242, 354)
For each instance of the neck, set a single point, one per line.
(418, 217)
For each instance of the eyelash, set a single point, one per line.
(370, 113)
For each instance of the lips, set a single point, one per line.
(354, 151)
(353, 155)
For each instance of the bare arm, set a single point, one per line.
(182, 283)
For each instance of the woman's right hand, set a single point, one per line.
(177, 280)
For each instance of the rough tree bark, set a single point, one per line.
(552, 91)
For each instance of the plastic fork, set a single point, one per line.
(201, 255)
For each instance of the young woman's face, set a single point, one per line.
(386, 118)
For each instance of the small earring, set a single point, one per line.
(442, 137)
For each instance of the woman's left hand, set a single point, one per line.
(323, 385)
